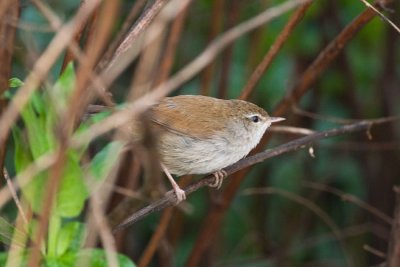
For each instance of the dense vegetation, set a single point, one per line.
(68, 181)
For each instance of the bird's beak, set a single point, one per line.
(276, 119)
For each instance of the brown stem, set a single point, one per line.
(326, 57)
(138, 5)
(172, 45)
(227, 56)
(53, 182)
(156, 238)
(7, 34)
(132, 36)
(273, 51)
(216, 26)
(69, 55)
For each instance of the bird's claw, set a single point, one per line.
(219, 178)
(180, 194)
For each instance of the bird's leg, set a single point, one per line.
(180, 194)
(219, 178)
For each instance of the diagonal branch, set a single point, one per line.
(326, 57)
(170, 198)
(273, 51)
(393, 255)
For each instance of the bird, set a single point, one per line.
(202, 135)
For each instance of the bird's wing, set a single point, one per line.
(194, 116)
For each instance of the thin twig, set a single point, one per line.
(291, 130)
(216, 19)
(70, 55)
(350, 198)
(382, 15)
(297, 110)
(393, 254)
(104, 231)
(137, 6)
(19, 240)
(112, 71)
(315, 241)
(42, 67)
(35, 255)
(132, 37)
(27, 174)
(14, 195)
(82, 95)
(374, 251)
(170, 198)
(148, 63)
(172, 45)
(156, 238)
(366, 146)
(324, 59)
(273, 51)
(74, 48)
(309, 205)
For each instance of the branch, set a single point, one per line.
(273, 51)
(170, 198)
(7, 35)
(42, 68)
(326, 57)
(393, 256)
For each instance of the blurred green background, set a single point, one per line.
(299, 227)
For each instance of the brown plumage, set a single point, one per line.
(200, 134)
(199, 116)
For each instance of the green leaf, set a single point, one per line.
(72, 192)
(34, 190)
(36, 130)
(104, 160)
(51, 118)
(38, 102)
(94, 258)
(22, 154)
(70, 238)
(85, 125)
(3, 258)
(63, 87)
(22, 259)
(15, 82)
(7, 95)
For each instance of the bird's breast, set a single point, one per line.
(187, 155)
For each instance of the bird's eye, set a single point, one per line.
(255, 118)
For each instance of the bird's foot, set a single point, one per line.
(180, 194)
(219, 178)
